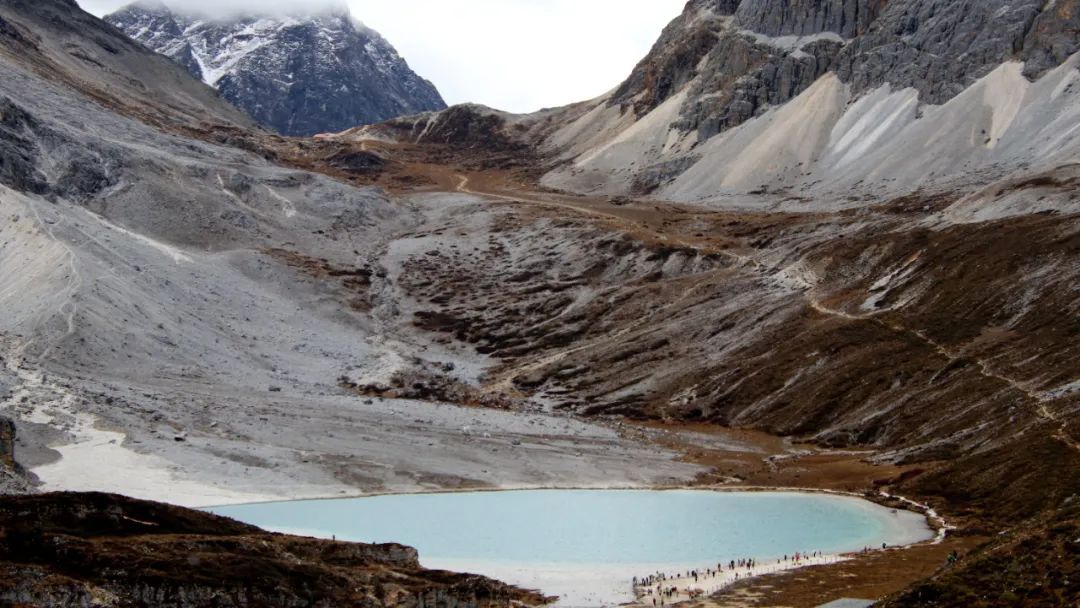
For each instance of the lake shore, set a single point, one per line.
(197, 490)
(587, 546)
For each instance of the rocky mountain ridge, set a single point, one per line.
(57, 41)
(226, 222)
(729, 83)
(299, 75)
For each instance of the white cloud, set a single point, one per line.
(517, 55)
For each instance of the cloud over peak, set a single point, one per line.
(224, 9)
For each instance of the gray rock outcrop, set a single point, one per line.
(12, 477)
(847, 18)
(939, 48)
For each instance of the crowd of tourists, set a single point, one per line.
(662, 590)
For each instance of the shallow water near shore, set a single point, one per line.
(586, 545)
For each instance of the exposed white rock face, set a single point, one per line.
(299, 75)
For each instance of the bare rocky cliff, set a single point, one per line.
(725, 76)
(868, 43)
(59, 41)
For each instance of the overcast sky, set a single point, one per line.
(516, 55)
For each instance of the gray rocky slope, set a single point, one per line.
(165, 308)
(298, 75)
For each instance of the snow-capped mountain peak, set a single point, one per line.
(297, 73)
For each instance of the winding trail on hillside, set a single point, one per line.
(524, 197)
(1040, 400)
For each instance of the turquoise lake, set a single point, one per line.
(586, 545)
